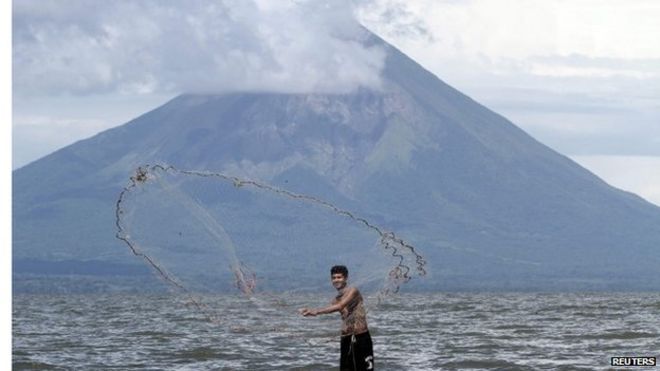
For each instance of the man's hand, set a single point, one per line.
(307, 312)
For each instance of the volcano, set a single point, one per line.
(488, 206)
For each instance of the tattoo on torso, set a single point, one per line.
(354, 315)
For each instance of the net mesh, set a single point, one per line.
(206, 232)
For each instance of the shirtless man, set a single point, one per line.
(356, 346)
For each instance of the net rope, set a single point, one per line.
(245, 279)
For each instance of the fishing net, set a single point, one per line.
(207, 233)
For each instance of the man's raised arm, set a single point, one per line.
(341, 304)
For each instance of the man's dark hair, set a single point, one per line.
(339, 269)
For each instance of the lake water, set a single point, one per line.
(410, 332)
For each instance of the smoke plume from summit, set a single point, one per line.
(91, 47)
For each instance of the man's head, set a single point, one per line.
(339, 276)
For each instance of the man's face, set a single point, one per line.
(338, 280)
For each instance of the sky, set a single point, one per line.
(581, 76)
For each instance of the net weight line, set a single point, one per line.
(399, 274)
(141, 177)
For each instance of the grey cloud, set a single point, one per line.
(88, 47)
(587, 128)
(577, 115)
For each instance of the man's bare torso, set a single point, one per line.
(354, 315)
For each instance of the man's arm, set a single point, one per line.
(336, 307)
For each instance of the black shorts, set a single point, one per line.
(357, 352)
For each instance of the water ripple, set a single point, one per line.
(410, 332)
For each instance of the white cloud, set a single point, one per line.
(85, 47)
(609, 28)
(519, 29)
